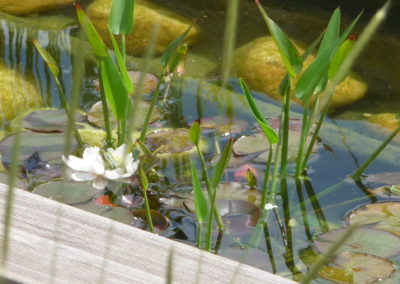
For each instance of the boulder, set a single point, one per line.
(387, 120)
(32, 6)
(259, 64)
(17, 94)
(146, 16)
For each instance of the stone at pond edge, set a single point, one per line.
(260, 65)
(32, 6)
(146, 15)
(387, 120)
(17, 94)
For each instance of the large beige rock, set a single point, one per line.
(17, 94)
(260, 65)
(146, 15)
(31, 6)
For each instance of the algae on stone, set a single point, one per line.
(260, 65)
(146, 16)
(17, 94)
(32, 6)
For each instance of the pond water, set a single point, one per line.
(347, 138)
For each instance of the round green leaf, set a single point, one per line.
(364, 240)
(160, 222)
(66, 192)
(358, 268)
(119, 214)
(384, 216)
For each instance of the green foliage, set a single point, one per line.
(121, 18)
(221, 165)
(287, 50)
(194, 133)
(268, 131)
(200, 202)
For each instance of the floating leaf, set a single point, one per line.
(384, 216)
(194, 133)
(388, 191)
(20, 183)
(224, 126)
(358, 268)
(385, 178)
(119, 214)
(105, 201)
(160, 222)
(95, 114)
(53, 120)
(169, 141)
(256, 143)
(364, 240)
(49, 146)
(229, 207)
(66, 192)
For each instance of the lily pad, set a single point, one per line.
(165, 142)
(357, 268)
(95, 114)
(229, 207)
(21, 184)
(255, 143)
(384, 216)
(119, 214)
(224, 126)
(385, 178)
(49, 146)
(66, 192)
(388, 191)
(160, 222)
(364, 240)
(51, 120)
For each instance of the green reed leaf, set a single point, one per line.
(99, 48)
(339, 57)
(287, 50)
(114, 88)
(200, 201)
(331, 34)
(121, 65)
(121, 18)
(221, 165)
(194, 133)
(50, 61)
(172, 47)
(268, 131)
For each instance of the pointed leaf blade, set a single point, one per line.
(121, 18)
(200, 202)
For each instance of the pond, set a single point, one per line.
(311, 212)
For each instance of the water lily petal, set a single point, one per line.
(74, 163)
(114, 174)
(118, 153)
(82, 176)
(93, 161)
(131, 166)
(99, 182)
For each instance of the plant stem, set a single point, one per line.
(284, 125)
(148, 212)
(361, 169)
(303, 138)
(150, 111)
(71, 119)
(210, 190)
(109, 139)
(266, 178)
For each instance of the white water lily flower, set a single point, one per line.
(126, 166)
(88, 168)
(270, 206)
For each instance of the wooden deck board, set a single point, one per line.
(53, 242)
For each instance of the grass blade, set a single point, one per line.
(121, 65)
(145, 186)
(287, 50)
(339, 57)
(121, 18)
(51, 63)
(114, 88)
(268, 131)
(221, 165)
(99, 48)
(171, 48)
(200, 202)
